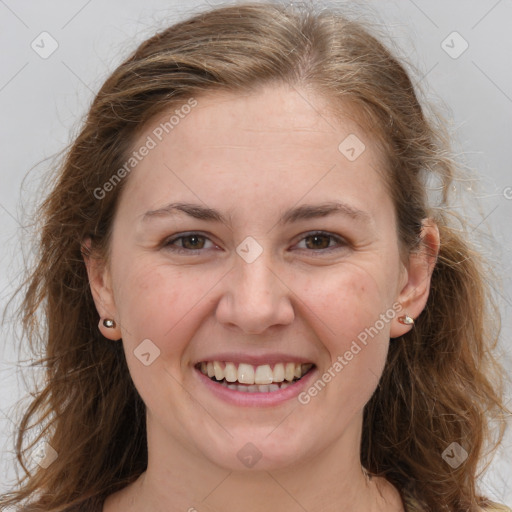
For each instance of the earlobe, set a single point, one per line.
(101, 290)
(406, 319)
(414, 293)
(109, 329)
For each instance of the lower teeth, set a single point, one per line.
(254, 388)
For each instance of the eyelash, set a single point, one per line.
(180, 250)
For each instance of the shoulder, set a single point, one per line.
(91, 505)
(411, 505)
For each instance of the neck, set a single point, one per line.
(332, 480)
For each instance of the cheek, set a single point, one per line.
(348, 301)
(162, 303)
(352, 317)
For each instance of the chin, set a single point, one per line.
(257, 451)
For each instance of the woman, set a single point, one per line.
(248, 298)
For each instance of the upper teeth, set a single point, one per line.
(249, 374)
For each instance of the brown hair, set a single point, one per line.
(435, 388)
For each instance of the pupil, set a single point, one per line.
(192, 240)
(317, 243)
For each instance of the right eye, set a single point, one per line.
(187, 243)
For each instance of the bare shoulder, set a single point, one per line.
(411, 505)
(91, 505)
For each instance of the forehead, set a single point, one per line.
(277, 142)
(267, 118)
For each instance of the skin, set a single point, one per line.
(252, 157)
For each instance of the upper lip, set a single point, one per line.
(255, 359)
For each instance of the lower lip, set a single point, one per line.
(261, 399)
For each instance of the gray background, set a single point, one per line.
(42, 101)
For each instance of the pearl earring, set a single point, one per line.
(109, 324)
(406, 320)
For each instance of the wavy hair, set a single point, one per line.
(441, 383)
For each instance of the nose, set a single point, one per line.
(255, 298)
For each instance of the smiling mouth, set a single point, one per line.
(254, 379)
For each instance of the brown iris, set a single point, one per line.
(196, 242)
(319, 241)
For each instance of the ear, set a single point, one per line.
(415, 288)
(101, 289)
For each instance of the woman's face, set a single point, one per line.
(280, 252)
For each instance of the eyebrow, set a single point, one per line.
(303, 212)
